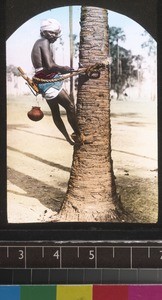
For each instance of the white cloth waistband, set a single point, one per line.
(38, 69)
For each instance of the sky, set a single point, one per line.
(19, 45)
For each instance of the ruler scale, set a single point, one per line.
(80, 257)
(82, 262)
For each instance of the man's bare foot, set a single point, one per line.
(82, 139)
(78, 139)
(70, 141)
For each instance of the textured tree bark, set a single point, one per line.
(91, 194)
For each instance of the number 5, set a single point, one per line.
(91, 254)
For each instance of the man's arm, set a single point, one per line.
(48, 62)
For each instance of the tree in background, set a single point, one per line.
(150, 46)
(116, 34)
(11, 69)
(12, 77)
(124, 73)
(149, 43)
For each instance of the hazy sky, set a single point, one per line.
(19, 45)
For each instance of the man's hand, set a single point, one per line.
(65, 70)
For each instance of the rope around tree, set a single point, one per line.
(90, 71)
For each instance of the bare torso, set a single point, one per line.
(41, 55)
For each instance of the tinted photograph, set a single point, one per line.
(81, 84)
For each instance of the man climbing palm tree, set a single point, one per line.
(46, 68)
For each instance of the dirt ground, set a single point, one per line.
(39, 161)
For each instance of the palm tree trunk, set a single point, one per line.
(71, 49)
(91, 194)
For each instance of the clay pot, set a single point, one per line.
(35, 114)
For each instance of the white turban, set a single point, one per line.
(51, 25)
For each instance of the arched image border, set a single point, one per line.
(116, 230)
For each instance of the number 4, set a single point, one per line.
(56, 254)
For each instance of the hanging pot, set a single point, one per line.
(35, 114)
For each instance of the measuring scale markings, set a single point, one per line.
(147, 257)
(43, 257)
(76, 257)
(113, 257)
(11, 257)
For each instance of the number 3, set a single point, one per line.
(21, 254)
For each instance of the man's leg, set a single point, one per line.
(57, 119)
(64, 100)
